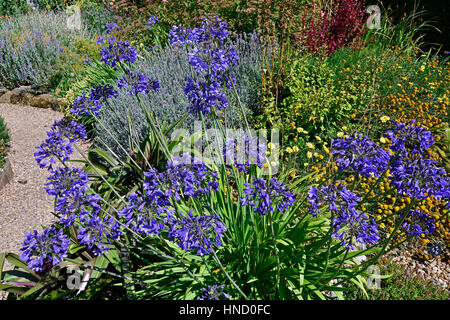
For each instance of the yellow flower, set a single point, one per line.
(318, 138)
(383, 140)
(289, 150)
(310, 145)
(326, 149)
(295, 148)
(301, 130)
(309, 154)
(340, 134)
(385, 119)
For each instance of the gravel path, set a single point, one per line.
(24, 204)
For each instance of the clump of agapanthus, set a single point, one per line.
(111, 27)
(115, 51)
(214, 292)
(244, 152)
(361, 154)
(138, 83)
(66, 181)
(146, 214)
(189, 176)
(77, 204)
(55, 148)
(70, 129)
(97, 232)
(352, 224)
(42, 251)
(419, 178)
(151, 21)
(266, 196)
(211, 59)
(349, 223)
(331, 197)
(197, 233)
(98, 95)
(418, 222)
(409, 139)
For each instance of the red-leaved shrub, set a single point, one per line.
(327, 29)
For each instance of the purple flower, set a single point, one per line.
(70, 129)
(98, 95)
(144, 214)
(189, 176)
(77, 204)
(66, 181)
(419, 178)
(151, 21)
(199, 233)
(138, 83)
(41, 251)
(111, 27)
(117, 51)
(334, 198)
(418, 222)
(55, 147)
(243, 152)
(351, 224)
(96, 233)
(264, 196)
(213, 293)
(360, 154)
(409, 139)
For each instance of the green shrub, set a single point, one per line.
(4, 139)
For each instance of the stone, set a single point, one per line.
(6, 174)
(22, 181)
(45, 101)
(3, 90)
(26, 98)
(6, 97)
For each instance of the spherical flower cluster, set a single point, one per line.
(361, 154)
(211, 60)
(349, 223)
(145, 214)
(419, 178)
(214, 292)
(77, 204)
(66, 181)
(111, 27)
(418, 223)
(352, 224)
(199, 233)
(96, 232)
(138, 83)
(245, 152)
(409, 139)
(54, 148)
(41, 251)
(189, 176)
(151, 21)
(265, 196)
(70, 129)
(115, 51)
(98, 96)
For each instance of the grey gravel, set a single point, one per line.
(26, 206)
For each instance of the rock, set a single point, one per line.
(3, 90)
(27, 98)
(22, 181)
(6, 97)
(45, 101)
(6, 174)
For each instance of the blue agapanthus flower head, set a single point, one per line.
(146, 214)
(70, 129)
(138, 83)
(334, 198)
(42, 251)
(97, 232)
(116, 50)
(214, 292)
(266, 196)
(419, 178)
(361, 154)
(418, 222)
(189, 176)
(409, 138)
(55, 148)
(111, 27)
(98, 95)
(77, 204)
(151, 21)
(66, 181)
(243, 151)
(197, 233)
